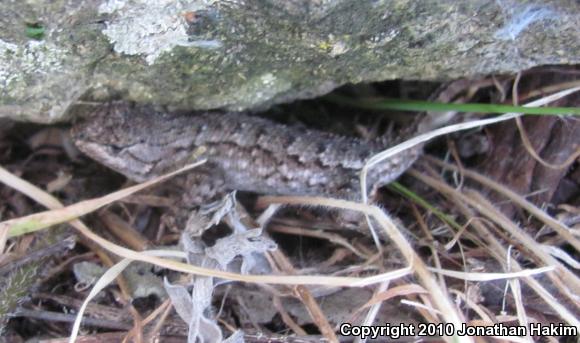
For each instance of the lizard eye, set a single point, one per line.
(79, 135)
(116, 150)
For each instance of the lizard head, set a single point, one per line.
(115, 134)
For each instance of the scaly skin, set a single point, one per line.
(244, 152)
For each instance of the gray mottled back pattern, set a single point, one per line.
(244, 152)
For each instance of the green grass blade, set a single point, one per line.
(399, 188)
(417, 105)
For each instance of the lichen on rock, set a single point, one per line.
(150, 28)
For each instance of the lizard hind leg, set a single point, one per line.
(202, 186)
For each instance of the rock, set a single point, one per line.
(249, 54)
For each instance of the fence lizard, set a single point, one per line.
(245, 153)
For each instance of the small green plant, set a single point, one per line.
(35, 31)
(13, 290)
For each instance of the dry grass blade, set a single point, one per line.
(572, 283)
(60, 214)
(530, 148)
(491, 276)
(496, 248)
(559, 227)
(373, 310)
(528, 143)
(449, 129)
(394, 292)
(106, 279)
(46, 199)
(439, 296)
(333, 238)
(302, 293)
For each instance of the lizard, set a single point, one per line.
(244, 152)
